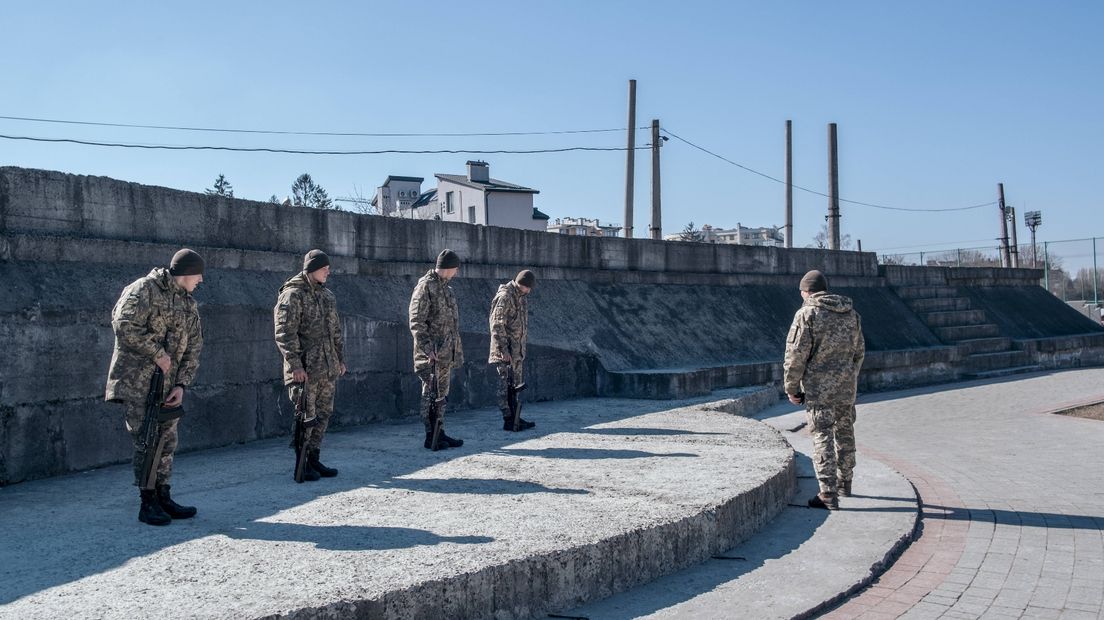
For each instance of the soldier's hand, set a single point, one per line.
(432, 356)
(176, 396)
(343, 370)
(299, 375)
(163, 363)
(506, 357)
(795, 399)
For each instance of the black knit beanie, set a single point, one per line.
(186, 263)
(448, 260)
(814, 282)
(526, 278)
(315, 260)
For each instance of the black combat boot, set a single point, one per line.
(316, 465)
(824, 500)
(449, 441)
(844, 488)
(441, 443)
(172, 508)
(523, 424)
(151, 511)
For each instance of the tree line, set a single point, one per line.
(304, 193)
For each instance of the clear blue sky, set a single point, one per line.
(935, 102)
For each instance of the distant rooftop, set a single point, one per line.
(494, 185)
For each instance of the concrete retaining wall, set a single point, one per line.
(628, 317)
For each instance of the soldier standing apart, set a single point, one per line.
(824, 352)
(308, 335)
(509, 333)
(156, 325)
(435, 326)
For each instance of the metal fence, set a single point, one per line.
(1071, 268)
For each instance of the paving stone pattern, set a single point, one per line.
(1013, 499)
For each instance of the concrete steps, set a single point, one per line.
(984, 362)
(984, 345)
(926, 292)
(939, 304)
(954, 321)
(953, 335)
(1004, 372)
(954, 318)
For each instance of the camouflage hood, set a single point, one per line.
(828, 301)
(298, 280)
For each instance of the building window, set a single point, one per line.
(471, 215)
(450, 204)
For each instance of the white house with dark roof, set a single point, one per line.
(476, 198)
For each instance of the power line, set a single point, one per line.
(170, 147)
(813, 191)
(310, 133)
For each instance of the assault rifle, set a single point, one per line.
(150, 434)
(435, 402)
(300, 439)
(512, 391)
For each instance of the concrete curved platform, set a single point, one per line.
(608, 495)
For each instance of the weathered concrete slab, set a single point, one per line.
(801, 563)
(610, 494)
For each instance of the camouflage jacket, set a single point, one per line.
(153, 316)
(435, 322)
(824, 351)
(308, 331)
(509, 323)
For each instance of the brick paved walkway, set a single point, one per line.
(1013, 517)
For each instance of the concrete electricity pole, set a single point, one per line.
(656, 228)
(1015, 249)
(833, 190)
(630, 161)
(789, 185)
(1006, 258)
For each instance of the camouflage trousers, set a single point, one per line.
(134, 414)
(444, 370)
(503, 370)
(319, 405)
(833, 431)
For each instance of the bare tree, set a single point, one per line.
(821, 239)
(359, 203)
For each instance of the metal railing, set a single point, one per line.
(1071, 268)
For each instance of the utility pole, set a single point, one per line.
(833, 190)
(630, 162)
(1006, 258)
(656, 228)
(789, 184)
(860, 245)
(1015, 249)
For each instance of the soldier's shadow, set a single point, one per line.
(348, 537)
(59, 531)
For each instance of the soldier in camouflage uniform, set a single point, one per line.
(824, 352)
(308, 335)
(509, 323)
(435, 326)
(156, 325)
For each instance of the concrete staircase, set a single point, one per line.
(984, 352)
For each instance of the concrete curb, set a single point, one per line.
(878, 568)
